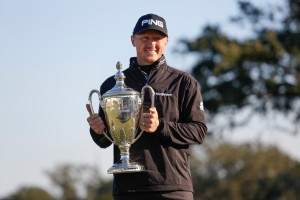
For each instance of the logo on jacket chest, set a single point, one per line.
(163, 94)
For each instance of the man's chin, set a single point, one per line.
(152, 59)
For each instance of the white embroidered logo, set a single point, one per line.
(163, 94)
(152, 21)
(201, 106)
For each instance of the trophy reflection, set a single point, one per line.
(122, 108)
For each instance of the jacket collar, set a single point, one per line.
(156, 65)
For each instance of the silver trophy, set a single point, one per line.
(122, 109)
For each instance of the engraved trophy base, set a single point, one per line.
(119, 168)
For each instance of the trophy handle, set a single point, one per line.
(151, 92)
(152, 102)
(92, 109)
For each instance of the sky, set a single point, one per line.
(53, 52)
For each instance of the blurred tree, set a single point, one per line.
(245, 172)
(30, 193)
(81, 182)
(260, 74)
(65, 177)
(220, 171)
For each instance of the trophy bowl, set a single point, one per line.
(122, 108)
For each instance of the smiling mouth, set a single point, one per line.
(151, 51)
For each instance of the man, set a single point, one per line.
(176, 121)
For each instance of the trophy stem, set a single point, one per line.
(124, 153)
(124, 165)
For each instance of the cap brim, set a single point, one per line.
(139, 32)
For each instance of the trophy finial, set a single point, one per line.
(119, 66)
(119, 76)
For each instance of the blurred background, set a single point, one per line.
(245, 55)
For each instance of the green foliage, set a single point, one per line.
(261, 73)
(74, 182)
(81, 182)
(245, 172)
(30, 193)
(220, 171)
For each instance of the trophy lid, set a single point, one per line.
(120, 87)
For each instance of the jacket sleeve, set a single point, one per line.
(191, 127)
(100, 140)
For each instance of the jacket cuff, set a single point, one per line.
(100, 140)
(161, 130)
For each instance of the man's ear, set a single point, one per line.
(132, 41)
(167, 41)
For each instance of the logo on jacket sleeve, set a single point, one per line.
(201, 106)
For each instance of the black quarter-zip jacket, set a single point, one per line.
(165, 153)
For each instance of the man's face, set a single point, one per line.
(150, 45)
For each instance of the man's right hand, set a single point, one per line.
(95, 122)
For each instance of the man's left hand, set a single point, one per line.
(149, 121)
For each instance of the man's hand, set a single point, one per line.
(149, 121)
(95, 122)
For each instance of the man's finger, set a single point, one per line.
(88, 107)
(152, 110)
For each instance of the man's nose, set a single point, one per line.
(152, 41)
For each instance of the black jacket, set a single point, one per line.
(165, 153)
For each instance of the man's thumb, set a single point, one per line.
(88, 107)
